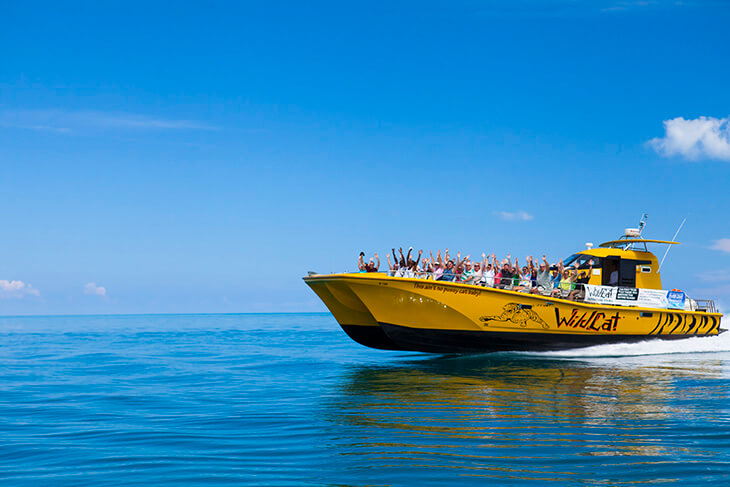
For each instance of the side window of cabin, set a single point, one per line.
(627, 273)
(626, 268)
(610, 264)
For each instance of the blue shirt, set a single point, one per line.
(556, 281)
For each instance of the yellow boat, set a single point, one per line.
(422, 314)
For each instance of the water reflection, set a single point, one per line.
(515, 417)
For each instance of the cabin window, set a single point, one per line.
(627, 273)
(626, 270)
(583, 261)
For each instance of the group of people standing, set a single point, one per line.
(533, 277)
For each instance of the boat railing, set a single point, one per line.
(706, 305)
(573, 291)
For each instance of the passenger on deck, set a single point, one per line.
(613, 278)
(488, 271)
(370, 266)
(392, 267)
(438, 266)
(543, 282)
(524, 282)
(506, 274)
(468, 273)
(479, 270)
(555, 276)
(581, 281)
(566, 284)
(427, 269)
(448, 272)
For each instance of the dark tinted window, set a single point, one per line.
(583, 261)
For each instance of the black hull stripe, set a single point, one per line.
(658, 322)
(370, 336)
(678, 323)
(459, 341)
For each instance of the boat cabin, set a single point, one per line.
(629, 257)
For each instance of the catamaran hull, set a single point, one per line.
(459, 341)
(442, 317)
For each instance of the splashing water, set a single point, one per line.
(720, 343)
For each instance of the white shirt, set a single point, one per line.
(489, 277)
(613, 280)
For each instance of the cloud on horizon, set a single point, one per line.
(512, 216)
(83, 121)
(94, 289)
(16, 289)
(703, 137)
(722, 245)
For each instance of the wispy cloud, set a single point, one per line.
(78, 122)
(511, 216)
(703, 137)
(94, 289)
(723, 245)
(16, 289)
(719, 275)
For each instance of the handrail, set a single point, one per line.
(574, 291)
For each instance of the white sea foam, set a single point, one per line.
(720, 343)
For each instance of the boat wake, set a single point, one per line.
(720, 343)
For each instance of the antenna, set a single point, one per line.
(636, 231)
(642, 223)
(674, 239)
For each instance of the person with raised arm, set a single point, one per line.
(543, 284)
(522, 277)
(439, 266)
(479, 269)
(489, 271)
(361, 263)
(448, 272)
(580, 281)
(418, 259)
(556, 278)
(392, 267)
(567, 282)
(371, 266)
(428, 269)
(459, 268)
(506, 274)
(402, 262)
(533, 273)
(469, 272)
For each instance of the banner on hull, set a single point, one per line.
(629, 296)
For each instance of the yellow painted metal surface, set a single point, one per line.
(435, 305)
(645, 280)
(637, 240)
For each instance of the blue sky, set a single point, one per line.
(204, 158)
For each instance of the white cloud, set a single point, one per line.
(16, 289)
(74, 122)
(514, 215)
(723, 244)
(94, 289)
(719, 275)
(703, 137)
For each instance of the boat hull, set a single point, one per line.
(444, 317)
(459, 341)
(351, 314)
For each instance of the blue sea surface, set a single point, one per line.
(289, 399)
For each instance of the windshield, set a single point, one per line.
(582, 260)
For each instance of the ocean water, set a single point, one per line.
(288, 399)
